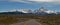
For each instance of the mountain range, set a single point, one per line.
(40, 11)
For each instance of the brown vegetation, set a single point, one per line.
(46, 20)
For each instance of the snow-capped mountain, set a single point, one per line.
(42, 9)
(25, 10)
(22, 10)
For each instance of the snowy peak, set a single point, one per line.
(49, 12)
(22, 10)
(25, 10)
(13, 10)
(42, 9)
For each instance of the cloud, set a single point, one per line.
(41, 0)
(35, 1)
(44, 0)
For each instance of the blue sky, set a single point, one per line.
(6, 5)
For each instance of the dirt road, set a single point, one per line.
(29, 22)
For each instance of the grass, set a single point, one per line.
(45, 20)
(54, 20)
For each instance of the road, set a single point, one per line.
(29, 22)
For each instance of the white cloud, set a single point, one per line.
(42, 0)
(23, 1)
(36, 1)
(45, 0)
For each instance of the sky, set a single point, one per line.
(7, 5)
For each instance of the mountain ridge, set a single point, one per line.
(40, 11)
